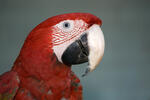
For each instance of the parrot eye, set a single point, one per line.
(66, 25)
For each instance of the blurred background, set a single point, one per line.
(123, 74)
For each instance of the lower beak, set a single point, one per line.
(88, 48)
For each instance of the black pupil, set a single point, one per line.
(66, 25)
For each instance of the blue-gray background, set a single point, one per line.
(124, 73)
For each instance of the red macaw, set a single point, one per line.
(42, 71)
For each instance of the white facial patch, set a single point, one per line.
(64, 36)
(96, 45)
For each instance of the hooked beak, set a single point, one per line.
(89, 47)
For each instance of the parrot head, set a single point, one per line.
(72, 38)
(77, 38)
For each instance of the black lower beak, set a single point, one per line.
(77, 52)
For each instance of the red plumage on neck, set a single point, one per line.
(36, 56)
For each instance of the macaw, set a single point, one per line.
(42, 71)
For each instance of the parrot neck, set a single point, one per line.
(40, 65)
(37, 59)
(35, 69)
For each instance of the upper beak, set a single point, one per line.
(89, 47)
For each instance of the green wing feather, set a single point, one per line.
(9, 84)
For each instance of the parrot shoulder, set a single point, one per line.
(9, 84)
